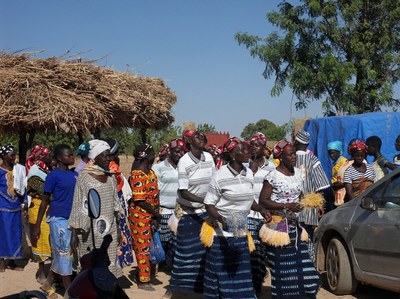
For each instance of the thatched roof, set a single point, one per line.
(71, 96)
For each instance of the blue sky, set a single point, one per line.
(190, 44)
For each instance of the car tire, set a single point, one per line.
(339, 272)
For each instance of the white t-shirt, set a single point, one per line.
(194, 175)
(232, 195)
(167, 184)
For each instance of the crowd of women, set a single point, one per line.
(224, 215)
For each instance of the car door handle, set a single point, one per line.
(397, 224)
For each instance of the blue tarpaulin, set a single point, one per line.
(385, 125)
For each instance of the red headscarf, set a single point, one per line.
(230, 144)
(176, 143)
(186, 134)
(260, 138)
(36, 156)
(357, 145)
(279, 147)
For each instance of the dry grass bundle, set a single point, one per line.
(76, 96)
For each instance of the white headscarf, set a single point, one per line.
(97, 147)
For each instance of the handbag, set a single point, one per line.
(157, 254)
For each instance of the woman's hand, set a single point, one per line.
(266, 214)
(293, 206)
(222, 220)
(155, 223)
(35, 234)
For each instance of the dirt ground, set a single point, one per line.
(14, 282)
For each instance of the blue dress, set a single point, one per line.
(10, 219)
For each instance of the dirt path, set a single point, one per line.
(14, 282)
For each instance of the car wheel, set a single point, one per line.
(339, 274)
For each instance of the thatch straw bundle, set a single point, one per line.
(72, 96)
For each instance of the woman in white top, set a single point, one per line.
(293, 274)
(228, 202)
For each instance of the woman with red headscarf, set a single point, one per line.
(360, 175)
(38, 165)
(228, 202)
(293, 274)
(260, 165)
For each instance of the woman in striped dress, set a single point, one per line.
(360, 175)
(228, 203)
(292, 271)
(259, 166)
(195, 169)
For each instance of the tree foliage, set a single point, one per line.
(345, 53)
(268, 128)
(206, 128)
(127, 138)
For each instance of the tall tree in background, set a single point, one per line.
(206, 128)
(268, 128)
(344, 52)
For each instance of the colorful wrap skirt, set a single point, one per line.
(258, 256)
(189, 258)
(227, 269)
(293, 274)
(42, 251)
(60, 240)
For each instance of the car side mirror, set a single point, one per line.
(94, 204)
(368, 203)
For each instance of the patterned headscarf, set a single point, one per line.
(260, 138)
(37, 154)
(230, 144)
(6, 149)
(279, 147)
(142, 151)
(335, 146)
(176, 143)
(356, 145)
(303, 137)
(83, 149)
(186, 135)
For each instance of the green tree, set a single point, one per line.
(206, 128)
(158, 138)
(345, 53)
(268, 128)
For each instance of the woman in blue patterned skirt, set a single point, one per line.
(292, 271)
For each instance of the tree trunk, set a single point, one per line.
(24, 143)
(143, 135)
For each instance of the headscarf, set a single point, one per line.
(176, 143)
(6, 149)
(36, 157)
(356, 145)
(97, 147)
(303, 137)
(260, 138)
(186, 135)
(114, 146)
(279, 147)
(142, 151)
(335, 146)
(83, 149)
(230, 144)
